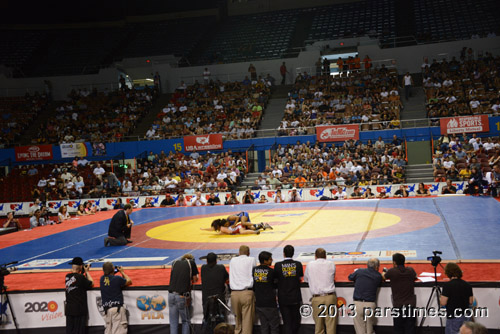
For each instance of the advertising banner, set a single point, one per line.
(477, 123)
(203, 142)
(34, 152)
(72, 150)
(333, 133)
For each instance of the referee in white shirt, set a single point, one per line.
(320, 275)
(242, 295)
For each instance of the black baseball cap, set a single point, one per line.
(77, 260)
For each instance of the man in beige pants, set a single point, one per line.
(366, 284)
(320, 275)
(242, 295)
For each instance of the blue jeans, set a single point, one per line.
(453, 325)
(176, 307)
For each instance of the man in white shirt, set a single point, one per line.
(42, 183)
(408, 82)
(150, 133)
(99, 171)
(242, 295)
(294, 196)
(320, 275)
(198, 200)
(206, 76)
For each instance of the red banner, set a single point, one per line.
(203, 142)
(337, 132)
(34, 152)
(478, 123)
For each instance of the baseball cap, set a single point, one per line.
(77, 260)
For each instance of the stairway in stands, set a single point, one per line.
(273, 114)
(301, 32)
(146, 122)
(414, 108)
(249, 181)
(419, 173)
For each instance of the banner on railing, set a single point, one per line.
(337, 133)
(34, 152)
(72, 150)
(465, 124)
(203, 142)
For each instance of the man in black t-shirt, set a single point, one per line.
(167, 202)
(403, 295)
(77, 284)
(184, 273)
(457, 297)
(120, 228)
(213, 285)
(112, 298)
(213, 200)
(265, 295)
(288, 274)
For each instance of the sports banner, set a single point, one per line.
(477, 123)
(72, 150)
(203, 142)
(34, 152)
(337, 133)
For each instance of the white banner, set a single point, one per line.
(307, 194)
(148, 307)
(72, 150)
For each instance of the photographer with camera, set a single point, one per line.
(248, 197)
(403, 294)
(77, 284)
(112, 298)
(183, 275)
(213, 291)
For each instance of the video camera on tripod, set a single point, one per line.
(435, 259)
(5, 270)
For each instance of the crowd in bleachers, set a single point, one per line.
(232, 108)
(91, 116)
(466, 86)
(17, 114)
(472, 159)
(352, 97)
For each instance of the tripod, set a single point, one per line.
(436, 290)
(214, 314)
(3, 292)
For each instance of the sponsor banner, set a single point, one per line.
(337, 133)
(45, 263)
(33, 153)
(307, 194)
(203, 142)
(477, 123)
(150, 307)
(72, 150)
(306, 257)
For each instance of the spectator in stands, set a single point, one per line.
(253, 72)
(407, 83)
(213, 199)
(36, 219)
(248, 198)
(283, 72)
(449, 188)
(99, 171)
(168, 201)
(181, 201)
(12, 222)
(63, 214)
(262, 199)
(232, 199)
(422, 191)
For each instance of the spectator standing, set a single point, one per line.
(157, 82)
(283, 72)
(213, 285)
(242, 295)
(184, 274)
(206, 76)
(288, 274)
(120, 228)
(77, 283)
(403, 294)
(265, 295)
(366, 284)
(112, 299)
(320, 275)
(253, 75)
(407, 82)
(456, 297)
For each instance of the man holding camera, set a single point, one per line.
(184, 273)
(294, 196)
(77, 284)
(120, 228)
(213, 288)
(112, 298)
(403, 294)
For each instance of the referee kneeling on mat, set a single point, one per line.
(112, 298)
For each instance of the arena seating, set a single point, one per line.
(371, 99)
(461, 87)
(448, 19)
(16, 114)
(374, 18)
(236, 112)
(18, 47)
(99, 117)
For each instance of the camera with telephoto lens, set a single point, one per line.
(435, 259)
(117, 269)
(4, 271)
